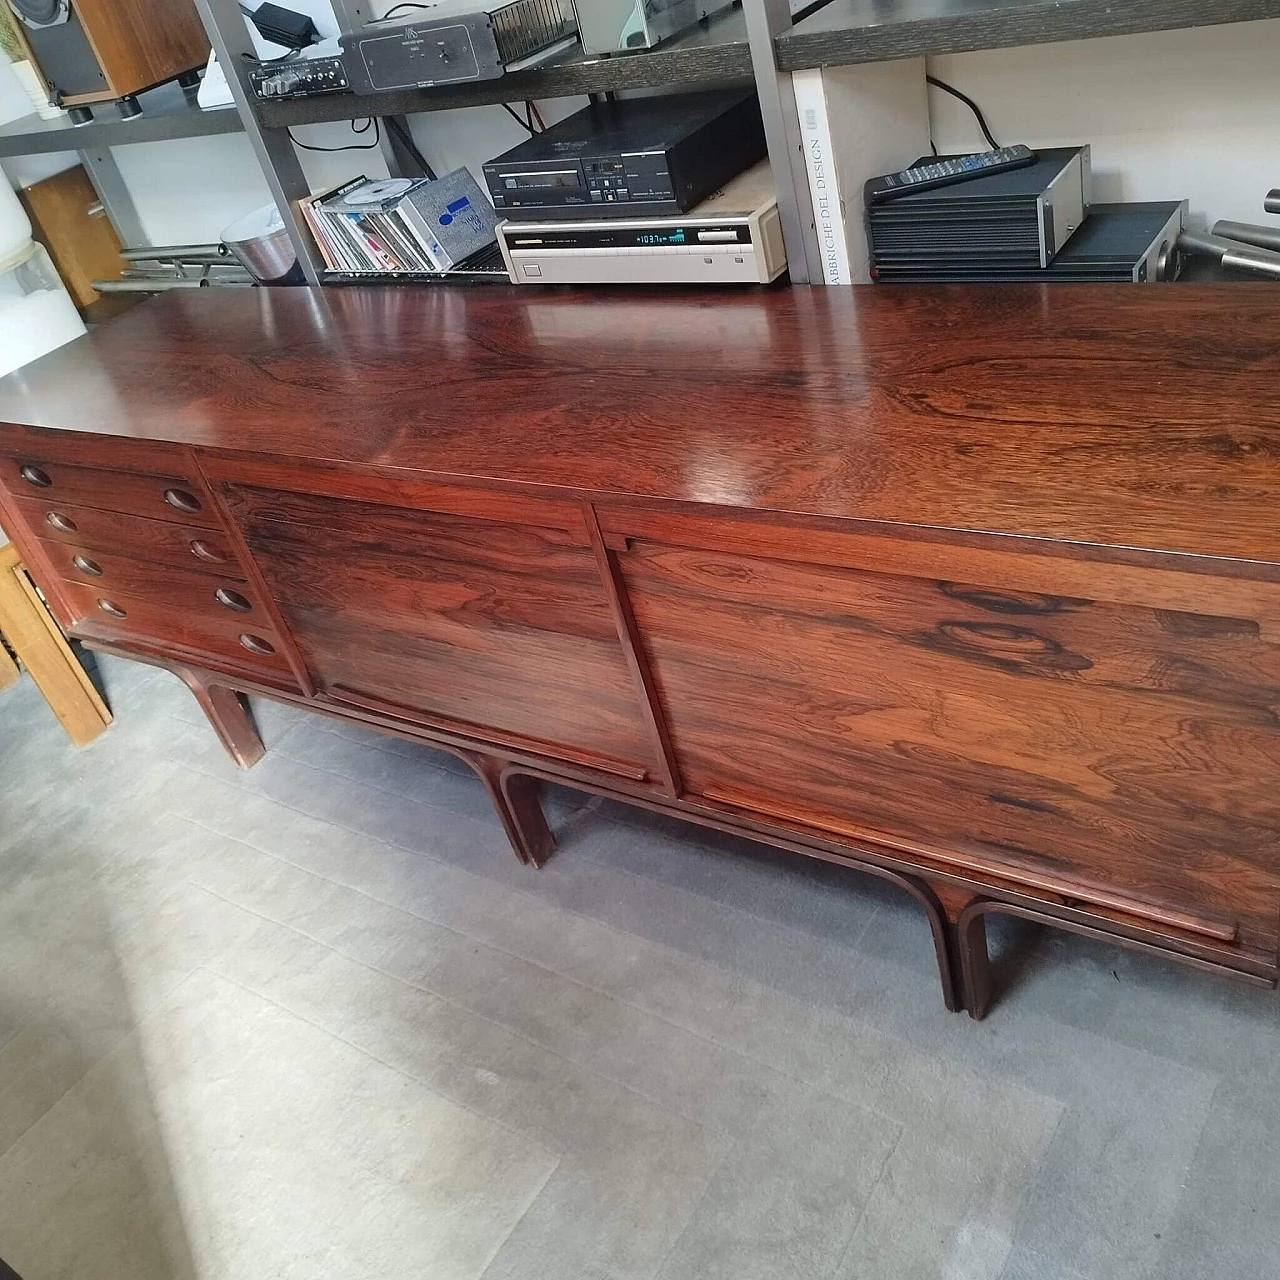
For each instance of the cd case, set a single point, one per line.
(394, 225)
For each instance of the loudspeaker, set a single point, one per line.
(96, 50)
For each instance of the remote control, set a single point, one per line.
(942, 173)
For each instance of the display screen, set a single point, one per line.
(662, 237)
(556, 178)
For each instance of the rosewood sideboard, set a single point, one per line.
(975, 589)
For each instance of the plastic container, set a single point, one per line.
(36, 312)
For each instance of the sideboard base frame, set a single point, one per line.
(956, 908)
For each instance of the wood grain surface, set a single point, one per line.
(978, 586)
(503, 627)
(1106, 414)
(850, 31)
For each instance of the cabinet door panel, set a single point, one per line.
(502, 627)
(1110, 748)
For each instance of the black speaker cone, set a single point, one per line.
(41, 13)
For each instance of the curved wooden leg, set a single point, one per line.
(228, 713)
(515, 797)
(966, 943)
(944, 952)
(975, 963)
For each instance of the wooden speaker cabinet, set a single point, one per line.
(89, 51)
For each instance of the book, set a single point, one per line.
(856, 122)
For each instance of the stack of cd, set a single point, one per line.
(401, 226)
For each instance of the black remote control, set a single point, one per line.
(942, 173)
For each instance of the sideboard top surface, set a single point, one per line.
(1116, 415)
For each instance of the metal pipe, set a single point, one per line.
(1247, 261)
(187, 252)
(1272, 203)
(1248, 233)
(162, 284)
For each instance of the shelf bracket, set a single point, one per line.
(766, 21)
(273, 148)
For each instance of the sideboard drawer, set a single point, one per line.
(177, 498)
(248, 647)
(181, 590)
(136, 536)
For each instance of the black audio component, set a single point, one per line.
(637, 155)
(314, 72)
(1130, 243)
(455, 41)
(1019, 219)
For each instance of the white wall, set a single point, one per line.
(1183, 113)
(1177, 114)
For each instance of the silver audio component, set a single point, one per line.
(734, 237)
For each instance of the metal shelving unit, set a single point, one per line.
(853, 31)
(759, 43)
(167, 112)
(714, 53)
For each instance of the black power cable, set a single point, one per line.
(968, 102)
(396, 8)
(517, 117)
(370, 123)
(406, 141)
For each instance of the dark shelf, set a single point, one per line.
(167, 112)
(850, 31)
(713, 53)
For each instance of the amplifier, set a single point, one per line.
(1135, 243)
(317, 69)
(1019, 219)
(453, 41)
(637, 156)
(735, 237)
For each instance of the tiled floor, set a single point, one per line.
(315, 1021)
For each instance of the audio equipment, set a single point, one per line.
(318, 69)
(614, 26)
(1009, 221)
(735, 237)
(635, 156)
(88, 51)
(1126, 243)
(456, 40)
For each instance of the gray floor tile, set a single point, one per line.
(669, 1052)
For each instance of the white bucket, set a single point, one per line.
(36, 312)
(15, 226)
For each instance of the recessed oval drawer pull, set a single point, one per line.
(63, 524)
(33, 475)
(203, 551)
(256, 644)
(85, 565)
(109, 606)
(232, 600)
(183, 500)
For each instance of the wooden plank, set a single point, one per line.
(854, 31)
(83, 245)
(38, 642)
(9, 673)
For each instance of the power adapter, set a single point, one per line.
(282, 26)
